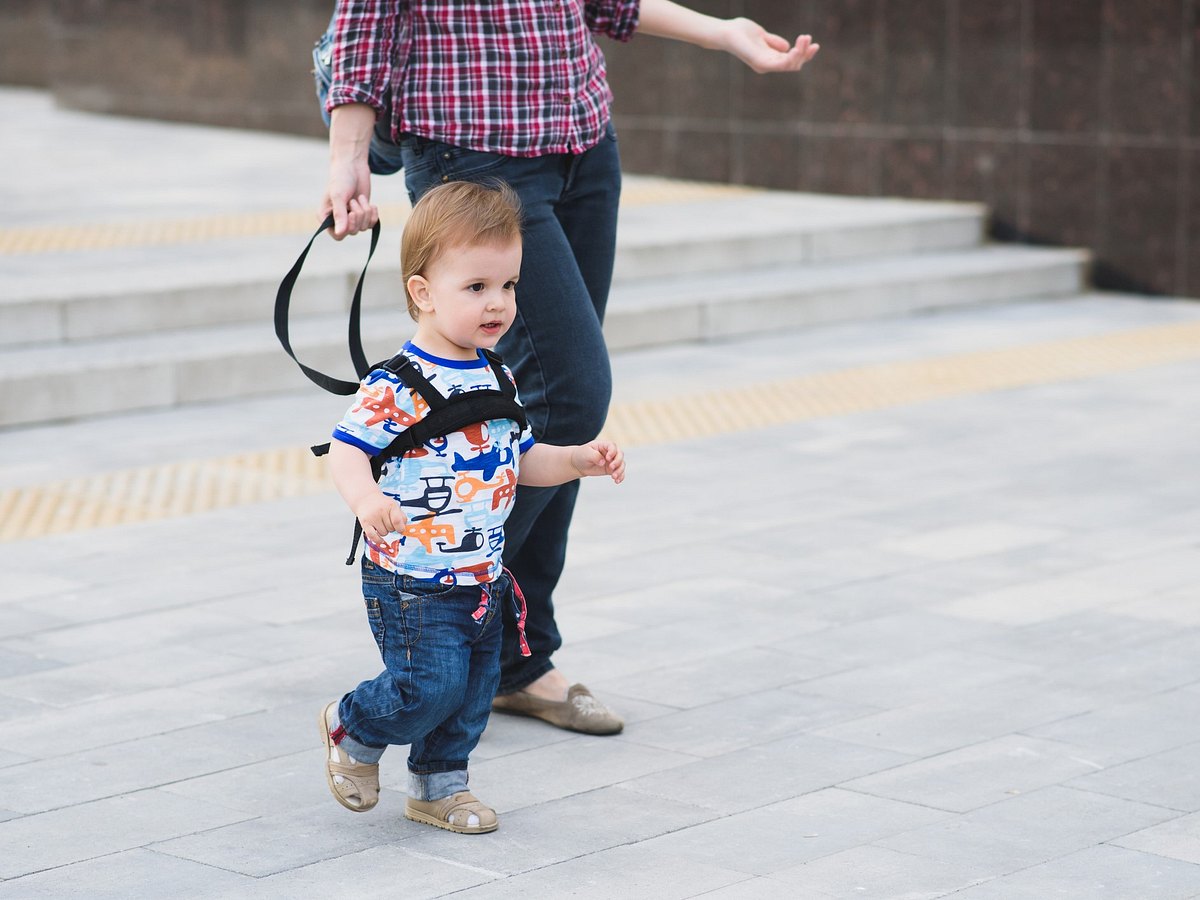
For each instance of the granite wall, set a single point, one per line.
(243, 63)
(1074, 121)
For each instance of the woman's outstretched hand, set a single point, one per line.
(763, 51)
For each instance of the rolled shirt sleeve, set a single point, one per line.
(617, 19)
(364, 49)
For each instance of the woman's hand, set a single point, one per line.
(763, 51)
(348, 192)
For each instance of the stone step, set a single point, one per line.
(58, 382)
(767, 299)
(53, 298)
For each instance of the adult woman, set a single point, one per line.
(516, 90)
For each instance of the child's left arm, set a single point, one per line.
(545, 465)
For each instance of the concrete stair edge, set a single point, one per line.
(171, 369)
(112, 312)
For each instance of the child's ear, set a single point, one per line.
(418, 289)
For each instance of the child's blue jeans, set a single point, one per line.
(441, 647)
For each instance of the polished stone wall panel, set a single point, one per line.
(1189, 239)
(1064, 199)
(27, 33)
(1076, 121)
(700, 155)
(1067, 61)
(842, 164)
(914, 168)
(993, 173)
(773, 161)
(1144, 52)
(773, 100)
(222, 62)
(847, 86)
(914, 63)
(642, 149)
(988, 67)
(638, 76)
(1140, 228)
(1191, 68)
(702, 84)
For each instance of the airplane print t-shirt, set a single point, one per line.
(455, 491)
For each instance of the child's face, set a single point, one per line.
(467, 299)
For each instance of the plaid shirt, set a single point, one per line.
(518, 77)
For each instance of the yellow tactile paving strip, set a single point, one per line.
(847, 391)
(180, 489)
(156, 232)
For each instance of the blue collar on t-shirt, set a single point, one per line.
(476, 363)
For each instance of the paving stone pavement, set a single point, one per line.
(937, 649)
(945, 648)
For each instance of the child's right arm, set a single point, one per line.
(378, 513)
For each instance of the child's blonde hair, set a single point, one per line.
(456, 214)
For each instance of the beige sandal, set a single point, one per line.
(453, 813)
(358, 790)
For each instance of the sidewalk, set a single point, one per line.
(900, 608)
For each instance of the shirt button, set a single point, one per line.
(445, 178)
(446, 155)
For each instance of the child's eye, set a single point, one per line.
(510, 285)
(476, 288)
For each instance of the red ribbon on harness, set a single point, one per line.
(525, 651)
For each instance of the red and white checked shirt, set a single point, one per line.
(518, 77)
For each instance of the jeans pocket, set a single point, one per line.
(375, 575)
(461, 165)
(454, 163)
(419, 160)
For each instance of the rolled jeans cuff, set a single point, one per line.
(360, 752)
(436, 785)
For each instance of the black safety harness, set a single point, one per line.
(446, 414)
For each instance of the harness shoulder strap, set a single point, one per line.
(450, 414)
(446, 415)
(283, 300)
(506, 386)
(410, 374)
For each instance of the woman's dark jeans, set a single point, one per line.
(555, 347)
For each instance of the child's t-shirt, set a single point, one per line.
(456, 491)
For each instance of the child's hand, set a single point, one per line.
(379, 516)
(599, 458)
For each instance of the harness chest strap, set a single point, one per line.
(446, 415)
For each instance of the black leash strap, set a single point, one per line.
(283, 300)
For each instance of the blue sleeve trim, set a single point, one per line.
(355, 442)
(526, 444)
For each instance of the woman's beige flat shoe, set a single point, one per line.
(579, 712)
